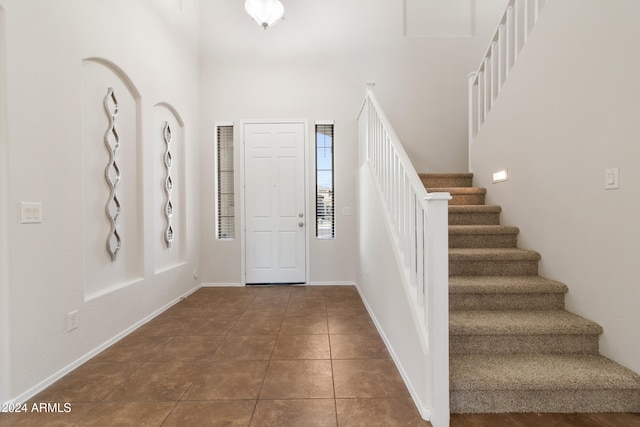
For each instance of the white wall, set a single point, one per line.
(206, 61)
(5, 369)
(381, 287)
(314, 65)
(54, 266)
(570, 110)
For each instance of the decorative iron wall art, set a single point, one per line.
(112, 173)
(168, 184)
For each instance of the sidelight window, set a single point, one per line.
(325, 207)
(225, 210)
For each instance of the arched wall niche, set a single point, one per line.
(104, 274)
(167, 256)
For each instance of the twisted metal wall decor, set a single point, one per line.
(112, 173)
(168, 184)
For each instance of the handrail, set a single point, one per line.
(508, 40)
(419, 221)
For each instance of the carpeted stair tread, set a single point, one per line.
(446, 179)
(483, 236)
(492, 254)
(520, 322)
(462, 195)
(513, 347)
(475, 209)
(469, 214)
(539, 372)
(504, 285)
(458, 190)
(482, 229)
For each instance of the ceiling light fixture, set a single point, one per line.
(265, 12)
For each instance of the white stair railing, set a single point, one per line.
(420, 223)
(486, 82)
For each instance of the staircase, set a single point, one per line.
(513, 347)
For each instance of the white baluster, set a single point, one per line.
(516, 31)
(509, 40)
(412, 237)
(485, 85)
(526, 21)
(500, 56)
(420, 256)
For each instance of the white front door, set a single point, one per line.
(275, 216)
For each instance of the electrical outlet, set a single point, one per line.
(72, 320)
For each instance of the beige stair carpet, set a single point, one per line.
(513, 347)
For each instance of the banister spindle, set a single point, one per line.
(500, 61)
(509, 40)
(516, 31)
(526, 21)
(412, 235)
(493, 74)
(479, 101)
(485, 85)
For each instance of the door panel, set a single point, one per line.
(275, 203)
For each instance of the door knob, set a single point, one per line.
(301, 224)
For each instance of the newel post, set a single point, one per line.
(364, 126)
(437, 301)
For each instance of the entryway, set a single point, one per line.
(275, 214)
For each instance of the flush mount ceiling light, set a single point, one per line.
(265, 12)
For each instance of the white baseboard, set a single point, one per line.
(347, 283)
(232, 284)
(70, 367)
(222, 285)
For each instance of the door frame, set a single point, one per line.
(243, 220)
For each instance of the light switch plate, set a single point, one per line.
(611, 179)
(31, 212)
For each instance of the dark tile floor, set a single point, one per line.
(259, 356)
(256, 356)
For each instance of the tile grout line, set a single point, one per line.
(333, 378)
(264, 378)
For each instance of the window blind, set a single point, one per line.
(225, 177)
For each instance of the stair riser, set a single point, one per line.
(474, 218)
(483, 240)
(523, 344)
(467, 199)
(561, 401)
(506, 301)
(493, 268)
(446, 182)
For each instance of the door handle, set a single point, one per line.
(301, 224)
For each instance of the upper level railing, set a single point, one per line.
(486, 82)
(420, 223)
